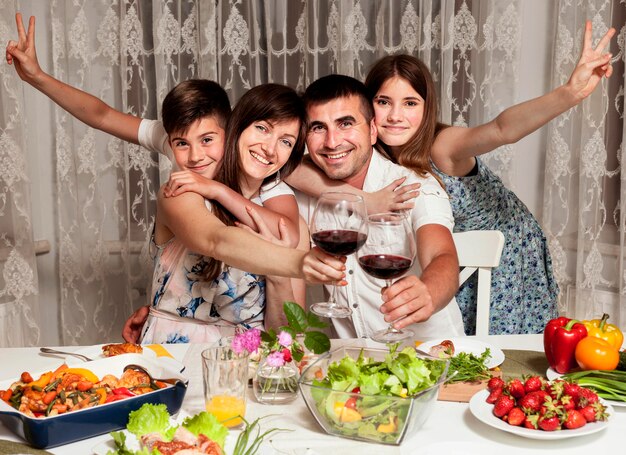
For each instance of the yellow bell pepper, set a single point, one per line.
(599, 328)
(85, 373)
(43, 380)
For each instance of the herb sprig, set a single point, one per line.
(469, 367)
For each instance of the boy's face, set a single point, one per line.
(199, 149)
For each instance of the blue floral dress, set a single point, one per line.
(187, 308)
(523, 290)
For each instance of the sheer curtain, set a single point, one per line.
(131, 53)
(585, 183)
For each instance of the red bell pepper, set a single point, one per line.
(560, 338)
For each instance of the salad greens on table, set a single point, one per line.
(466, 366)
(370, 399)
(154, 418)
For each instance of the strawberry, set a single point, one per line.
(567, 403)
(587, 397)
(495, 383)
(594, 412)
(575, 419)
(516, 388)
(503, 405)
(531, 421)
(494, 395)
(532, 384)
(556, 389)
(573, 390)
(549, 423)
(532, 401)
(516, 417)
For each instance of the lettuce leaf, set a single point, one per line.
(150, 418)
(208, 425)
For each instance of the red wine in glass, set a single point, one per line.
(385, 266)
(338, 227)
(339, 242)
(388, 254)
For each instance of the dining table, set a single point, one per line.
(450, 429)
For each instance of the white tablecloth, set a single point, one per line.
(451, 429)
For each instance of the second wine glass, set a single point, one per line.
(388, 254)
(338, 227)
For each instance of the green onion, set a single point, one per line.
(469, 367)
(610, 385)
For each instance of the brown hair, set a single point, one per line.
(415, 154)
(193, 100)
(270, 102)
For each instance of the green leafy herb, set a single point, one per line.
(466, 367)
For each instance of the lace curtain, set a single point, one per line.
(130, 53)
(585, 182)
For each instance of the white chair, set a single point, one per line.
(479, 251)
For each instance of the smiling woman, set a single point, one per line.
(196, 296)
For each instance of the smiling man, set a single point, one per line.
(340, 139)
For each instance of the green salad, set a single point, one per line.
(366, 399)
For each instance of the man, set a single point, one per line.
(340, 139)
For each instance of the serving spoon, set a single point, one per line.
(135, 367)
(56, 351)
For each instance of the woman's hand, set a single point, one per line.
(264, 232)
(182, 181)
(319, 267)
(392, 198)
(593, 65)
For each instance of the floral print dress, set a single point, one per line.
(186, 308)
(523, 290)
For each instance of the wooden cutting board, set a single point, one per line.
(463, 391)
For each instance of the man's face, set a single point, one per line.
(339, 138)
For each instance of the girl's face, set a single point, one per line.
(200, 149)
(265, 146)
(399, 110)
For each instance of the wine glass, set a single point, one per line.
(338, 227)
(388, 253)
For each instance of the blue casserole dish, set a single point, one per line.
(47, 432)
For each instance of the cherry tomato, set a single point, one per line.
(351, 403)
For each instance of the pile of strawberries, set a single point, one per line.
(537, 403)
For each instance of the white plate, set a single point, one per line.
(483, 411)
(471, 346)
(552, 375)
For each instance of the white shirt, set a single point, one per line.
(362, 293)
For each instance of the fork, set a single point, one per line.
(56, 351)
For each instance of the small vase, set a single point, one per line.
(275, 385)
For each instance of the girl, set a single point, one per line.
(196, 296)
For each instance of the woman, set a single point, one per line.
(196, 297)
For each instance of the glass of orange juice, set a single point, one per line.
(225, 384)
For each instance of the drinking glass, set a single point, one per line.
(388, 253)
(225, 376)
(338, 227)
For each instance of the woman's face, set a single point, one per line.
(265, 146)
(399, 110)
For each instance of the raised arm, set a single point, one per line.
(85, 107)
(284, 206)
(416, 299)
(312, 181)
(455, 147)
(200, 231)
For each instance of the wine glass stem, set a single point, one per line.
(391, 328)
(332, 301)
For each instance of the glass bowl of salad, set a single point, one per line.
(374, 395)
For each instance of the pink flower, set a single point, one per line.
(284, 339)
(250, 340)
(276, 359)
(287, 355)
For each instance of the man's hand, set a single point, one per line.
(182, 181)
(134, 325)
(407, 301)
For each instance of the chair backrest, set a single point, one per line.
(479, 251)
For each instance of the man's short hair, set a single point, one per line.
(193, 100)
(335, 86)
